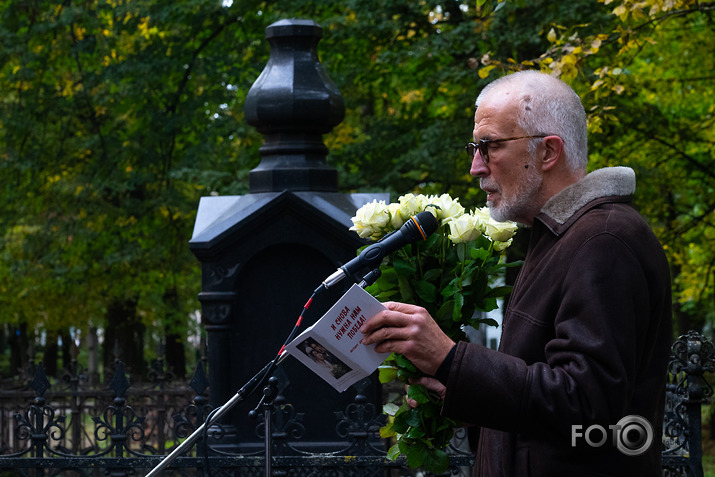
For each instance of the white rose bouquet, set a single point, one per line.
(449, 275)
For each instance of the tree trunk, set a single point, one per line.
(66, 348)
(19, 348)
(93, 355)
(174, 333)
(51, 354)
(124, 337)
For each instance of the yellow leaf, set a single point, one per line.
(484, 72)
(621, 12)
(551, 36)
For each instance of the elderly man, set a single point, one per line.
(587, 330)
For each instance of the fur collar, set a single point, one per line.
(609, 181)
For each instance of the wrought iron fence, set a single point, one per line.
(127, 430)
(692, 358)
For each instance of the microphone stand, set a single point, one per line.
(237, 398)
(270, 391)
(247, 389)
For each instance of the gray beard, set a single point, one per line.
(522, 203)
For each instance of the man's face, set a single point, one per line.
(512, 179)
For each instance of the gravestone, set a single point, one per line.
(263, 254)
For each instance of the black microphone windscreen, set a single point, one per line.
(428, 222)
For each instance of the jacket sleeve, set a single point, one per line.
(590, 349)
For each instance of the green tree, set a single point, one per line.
(115, 119)
(648, 85)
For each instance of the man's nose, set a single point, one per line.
(479, 169)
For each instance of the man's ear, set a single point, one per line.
(553, 152)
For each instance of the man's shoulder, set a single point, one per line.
(602, 185)
(612, 216)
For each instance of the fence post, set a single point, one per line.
(32, 424)
(692, 357)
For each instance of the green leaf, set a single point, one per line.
(432, 274)
(394, 452)
(386, 295)
(415, 433)
(387, 374)
(431, 242)
(404, 268)
(390, 409)
(499, 292)
(430, 409)
(436, 461)
(414, 419)
(480, 254)
(400, 424)
(426, 291)
(386, 281)
(445, 312)
(387, 431)
(458, 305)
(487, 321)
(450, 289)
(416, 454)
(419, 393)
(404, 375)
(405, 363)
(490, 304)
(406, 293)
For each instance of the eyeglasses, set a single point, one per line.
(483, 146)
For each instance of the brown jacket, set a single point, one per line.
(585, 341)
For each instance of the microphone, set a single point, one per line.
(417, 227)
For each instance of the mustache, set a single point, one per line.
(486, 184)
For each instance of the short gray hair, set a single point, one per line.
(547, 105)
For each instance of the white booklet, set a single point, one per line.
(332, 347)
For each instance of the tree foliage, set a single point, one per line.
(649, 87)
(117, 115)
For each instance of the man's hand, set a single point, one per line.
(408, 330)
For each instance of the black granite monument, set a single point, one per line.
(264, 253)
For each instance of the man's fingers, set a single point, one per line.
(386, 318)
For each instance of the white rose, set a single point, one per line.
(396, 218)
(447, 209)
(371, 219)
(501, 246)
(411, 204)
(498, 231)
(463, 229)
(482, 214)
